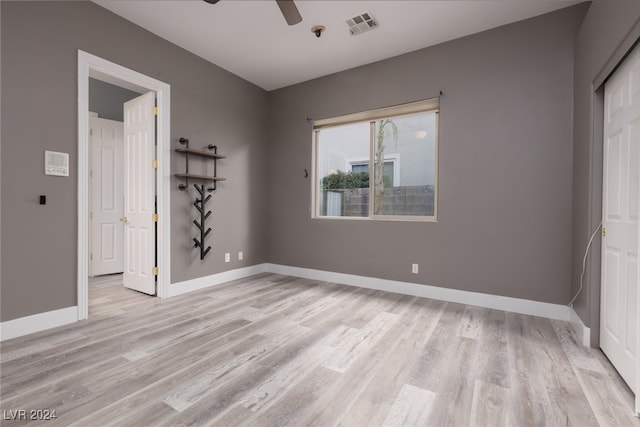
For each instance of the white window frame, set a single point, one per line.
(425, 106)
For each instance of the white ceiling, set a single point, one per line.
(251, 39)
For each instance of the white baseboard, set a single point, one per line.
(42, 321)
(37, 322)
(180, 288)
(583, 333)
(514, 305)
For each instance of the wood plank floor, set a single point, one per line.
(273, 350)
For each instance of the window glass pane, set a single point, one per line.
(360, 168)
(364, 167)
(393, 150)
(388, 174)
(405, 165)
(343, 190)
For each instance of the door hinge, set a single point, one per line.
(154, 271)
(604, 231)
(154, 217)
(155, 111)
(90, 215)
(90, 132)
(154, 163)
(91, 257)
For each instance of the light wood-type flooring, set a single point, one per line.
(272, 350)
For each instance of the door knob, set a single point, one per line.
(124, 219)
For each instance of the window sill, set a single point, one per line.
(378, 218)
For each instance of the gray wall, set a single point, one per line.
(505, 165)
(40, 41)
(107, 99)
(608, 31)
(520, 177)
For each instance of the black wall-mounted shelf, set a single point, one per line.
(201, 199)
(211, 154)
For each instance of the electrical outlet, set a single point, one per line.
(414, 268)
(227, 257)
(240, 256)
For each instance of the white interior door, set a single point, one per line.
(106, 250)
(619, 291)
(139, 194)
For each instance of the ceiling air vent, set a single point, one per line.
(361, 23)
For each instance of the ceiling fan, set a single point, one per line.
(287, 7)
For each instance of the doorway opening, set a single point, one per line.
(90, 66)
(108, 245)
(106, 186)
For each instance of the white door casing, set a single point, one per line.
(106, 211)
(139, 194)
(93, 66)
(635, 141)
(619, 307)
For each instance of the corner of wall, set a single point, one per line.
(583, 333)
(606, 32)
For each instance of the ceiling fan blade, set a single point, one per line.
(289, 11)
(212, 1)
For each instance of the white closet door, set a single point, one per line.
(619, 305)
